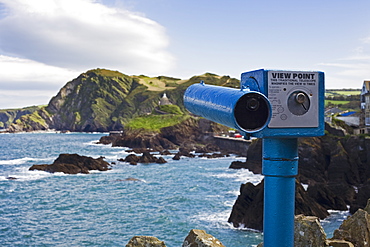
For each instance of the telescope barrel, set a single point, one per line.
(244, 110)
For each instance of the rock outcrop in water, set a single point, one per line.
(73, 164)
(336, 170)
(145, 158)
(248, 208)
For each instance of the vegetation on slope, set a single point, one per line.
(345, 99)
(104, 100)
(155, 122)
(9, 116)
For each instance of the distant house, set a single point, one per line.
(164, 100)
(365, 108)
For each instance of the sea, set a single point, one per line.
(104, 208)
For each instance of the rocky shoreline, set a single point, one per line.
(334, 169)
(354, 231)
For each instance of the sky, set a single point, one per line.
(46, 43)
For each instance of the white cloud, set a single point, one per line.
(47, 41)
(83, 34)
(25, 82)
(19, 70)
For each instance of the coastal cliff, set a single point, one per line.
(334, 169)
(101, 100)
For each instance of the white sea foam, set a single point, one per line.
(22, 161)
(242, 175)
(219, 219)
(95, 143)
(234, 192)
(23, 174)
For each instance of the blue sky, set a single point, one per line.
(46, 43)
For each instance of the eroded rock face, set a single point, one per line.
(192, 135)
(199, 238)
(248, 208)
(73, 164)
(335, 168)
(145, 241)
(308, 232)
(361, 197)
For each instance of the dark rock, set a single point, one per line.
(11, 178)
(161, 160)
(332, 166)
(248, 208)
(305, 205)
(237, 165)
(342, 190)
(336, 131)
(361, 197)
(187, 132)
(73, 164)
(140, 150)
(147, 157)
(107, 139)
(209, 148)
(199, 238)
(165, 152)
(254, 158)
(139, 140)
(212, 156)
(130, 158)
(323, 195)
(177, 156)
(186, 151)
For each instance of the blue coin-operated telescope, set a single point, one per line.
(278, 106)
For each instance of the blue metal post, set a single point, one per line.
(280, 167)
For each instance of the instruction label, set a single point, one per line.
(283, 89)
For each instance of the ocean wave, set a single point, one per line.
(23, 174)
(21, 161)
(242, 175)
(218, 219)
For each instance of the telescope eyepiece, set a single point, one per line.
(253, 104)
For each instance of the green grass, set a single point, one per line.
(171, 109)
(343, 93)
(336, 102)
(155, 122)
